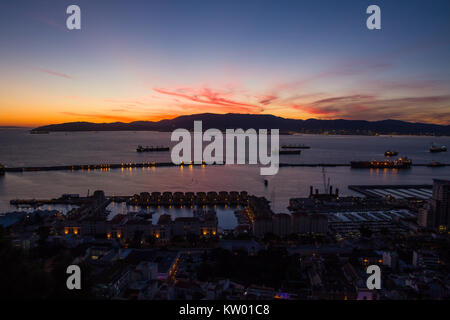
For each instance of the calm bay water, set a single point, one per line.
(19, 148)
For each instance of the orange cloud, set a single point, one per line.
(101, 116)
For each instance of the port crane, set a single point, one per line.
(326, 183)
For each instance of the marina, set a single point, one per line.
(227, 205)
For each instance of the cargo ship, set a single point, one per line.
(435, 148)
(295, 146)
(390, 153)
(400, 163)
(290, 151)
(151, 149)
(39, 132)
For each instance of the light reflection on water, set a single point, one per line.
(225, 214)
(64, 209)
(19, 148)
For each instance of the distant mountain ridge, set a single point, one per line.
(258, 121)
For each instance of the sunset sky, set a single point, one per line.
(150, 60)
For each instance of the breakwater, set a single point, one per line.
(103, 166)
(145, 199)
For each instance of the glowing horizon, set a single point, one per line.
(158, 60)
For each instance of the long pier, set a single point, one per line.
(348, 165)
(132, 165)
(104, 166)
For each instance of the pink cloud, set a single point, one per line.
(316, 110)
(210, 97)
(54, 73)
(265, 100)
(345, 99)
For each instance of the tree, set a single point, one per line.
(365, 231)
(43, 233)
(137, 238)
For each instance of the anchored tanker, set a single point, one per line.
(151, 149)
(435, 148)
(295, 146)
(290, 151)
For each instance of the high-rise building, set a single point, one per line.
(439, 214)
(422, 216)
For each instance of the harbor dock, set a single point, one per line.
(146, 199)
